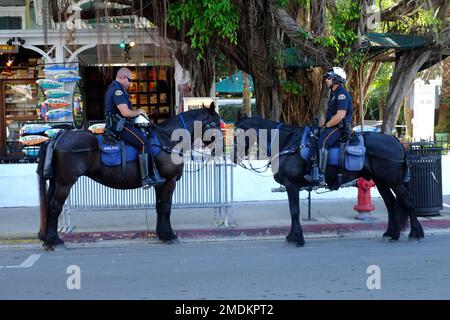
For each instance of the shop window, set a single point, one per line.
(8, 23)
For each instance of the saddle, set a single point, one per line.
(353, 152)
(114, 151)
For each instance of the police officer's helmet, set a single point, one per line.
(336, 74)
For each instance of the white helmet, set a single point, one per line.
(141, 121)
(337, 74)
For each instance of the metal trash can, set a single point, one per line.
(425, 163)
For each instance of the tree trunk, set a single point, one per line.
(246, 108)
(381, 107)
(358, 86)
(201, 71)
(408, 114)
(444, 111)
(405, 70)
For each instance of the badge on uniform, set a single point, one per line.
(341, 97)
(118, 93)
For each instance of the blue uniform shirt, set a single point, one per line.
(115, 95)
(340, 99)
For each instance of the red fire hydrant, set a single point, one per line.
(364, 199)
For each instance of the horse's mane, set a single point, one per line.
(165, 128)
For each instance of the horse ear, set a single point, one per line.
(212, 107)
(203, 105)
(239, 116)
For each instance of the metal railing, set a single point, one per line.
(203, 184)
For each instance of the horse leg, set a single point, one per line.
(406, 209)
(49, 194)
(164, 195)
(393, 229)
(296, 233)
(57, 197)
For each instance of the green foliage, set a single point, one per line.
(291, 87)
(342, 38)
(422, 21)
(285, 3)
(379, 90)
(205, 18)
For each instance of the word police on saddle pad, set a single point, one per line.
(113, 152)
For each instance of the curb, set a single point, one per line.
(317, 230)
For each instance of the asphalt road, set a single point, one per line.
(262, 270)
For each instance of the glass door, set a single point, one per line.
(20, 107)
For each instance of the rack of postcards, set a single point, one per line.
(57, 101)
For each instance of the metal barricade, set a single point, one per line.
(203, 184)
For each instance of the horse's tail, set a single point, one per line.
(43, 200)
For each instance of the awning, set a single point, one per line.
(234, 84)
(374, 44)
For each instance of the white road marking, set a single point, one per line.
(28, 263)
(446, 205)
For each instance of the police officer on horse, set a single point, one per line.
(338, 117)
(119, 114)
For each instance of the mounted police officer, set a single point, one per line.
(118, 113)
(338, 117)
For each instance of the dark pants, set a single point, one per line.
(136, 138)
(329, 137)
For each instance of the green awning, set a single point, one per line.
(385, 41)
(374, 44)
(234, 84)
(294, 58)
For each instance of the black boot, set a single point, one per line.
(155, 178)
(143, 166)
(323, 162)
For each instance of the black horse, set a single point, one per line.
(385, 163)
(77, 154)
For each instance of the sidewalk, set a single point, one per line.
(334, 217)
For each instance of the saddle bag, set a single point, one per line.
(354, 156)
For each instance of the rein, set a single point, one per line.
(287, 150)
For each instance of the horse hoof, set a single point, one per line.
(60, 247)
(48, 247)
(171, 241)
(389, 239)
(414, 239)
(294, 243)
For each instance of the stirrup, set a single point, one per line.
(156, 182)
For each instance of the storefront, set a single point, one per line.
(18, 95)
(38, 95)
(152, 89)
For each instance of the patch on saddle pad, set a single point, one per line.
(111, 151)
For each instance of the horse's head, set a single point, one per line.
(211, 126)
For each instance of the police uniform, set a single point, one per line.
(340, 99)
(115, 95)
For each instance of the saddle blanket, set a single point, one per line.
(111, 151)
(353, 157)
